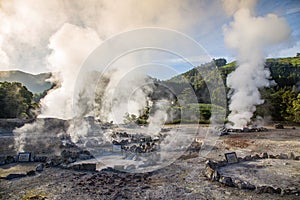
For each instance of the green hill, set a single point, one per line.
(34, 83)
(282, 101)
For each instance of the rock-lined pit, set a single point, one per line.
(265, 174)
(283, 174)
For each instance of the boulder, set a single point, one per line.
(2, 160)
(245, 186)
(13, 176)
(209, 172)
(9, 159)
(89, 166)
(84, 156)
(265, 155)
(272, 156)
(215, 176)
(270, 190)
(248, 158)
(211, 164)
(267, 189)
(40, 158)
(39, 167)
(221, 163)
(291, 156)
(256, 157)
(283, 156)
(227, 181)
(279, 126)
(30, 173)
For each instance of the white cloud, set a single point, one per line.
(287, 52)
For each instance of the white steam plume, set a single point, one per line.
(126, 92)
(70, 46)
(249, 36)
(26, 26)
(61, 34)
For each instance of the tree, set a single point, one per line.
(220, 62)
(287, 101)
(296, 109)
(15, 100)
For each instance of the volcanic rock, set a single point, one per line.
(279, 126)
(13, 176)
(9, 159)
(291, 156)
(39, 167)
(2, 160)
(30, 173)
(283, 156)
(226, 181)
(265, 155)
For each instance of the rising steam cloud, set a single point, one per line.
(70, 46)
(61, 35)
(249, 36)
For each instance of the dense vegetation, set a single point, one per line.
(36, 83)
(16, 101)
(282, 100)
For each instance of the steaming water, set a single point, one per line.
(169, 149)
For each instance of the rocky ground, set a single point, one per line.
(184, 179)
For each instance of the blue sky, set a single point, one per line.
(213, 41)
(288, 9)
(27, 28)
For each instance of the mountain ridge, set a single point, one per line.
(36, 83)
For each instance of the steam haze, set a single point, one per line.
(249, 36)
(57, 36)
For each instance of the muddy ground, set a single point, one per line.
(182, 179)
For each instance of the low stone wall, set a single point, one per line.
(7, 159)
(65, 158)
(84, 166)
(212, 173)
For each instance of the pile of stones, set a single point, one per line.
(7, 159)
(278, 126)
(64, 159)
(212, 173)
(112, 184)
(227, 131)
(136, 143)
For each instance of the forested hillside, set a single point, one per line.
(16, 101)
(282, 99)
(35, 83)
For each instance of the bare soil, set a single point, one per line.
(182, 179)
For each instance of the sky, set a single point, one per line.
(28, 29)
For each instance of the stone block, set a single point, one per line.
(291, 156)
(88, 166)
(283, 156)
(265, 155)
(227, 181)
